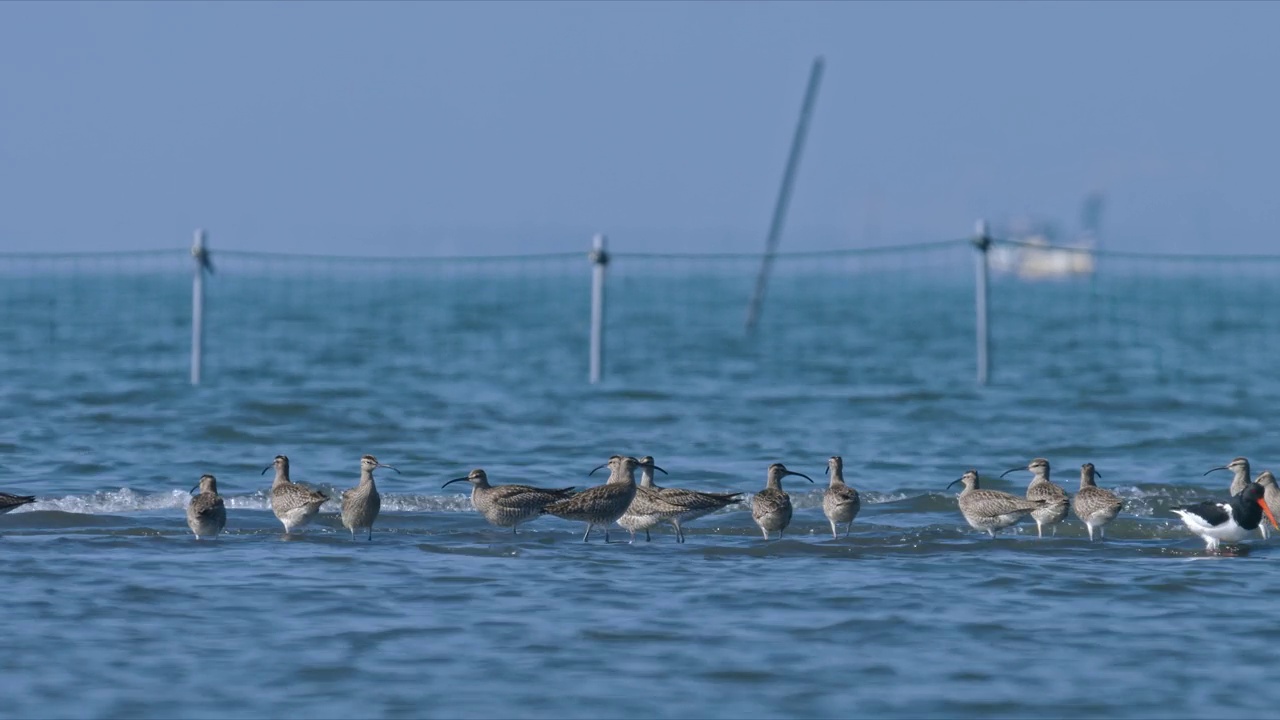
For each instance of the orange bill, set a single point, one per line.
(1267, 510)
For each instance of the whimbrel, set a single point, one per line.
(1054, 497)
(1094, 506)
(840, 503)
(1272, 495)
(693, 503)
(991, 510)
(294, 504)
(206, 514)
(508, 505)
(771, 507)
(1240, 477)
(1229, 521)
(601, 504)
(360, 504)
(10, 502)
(648, 508)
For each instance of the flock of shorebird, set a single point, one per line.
(642, 506)
(1215, 522)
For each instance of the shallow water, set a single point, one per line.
(114, 610)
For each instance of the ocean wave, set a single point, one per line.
(128, 500)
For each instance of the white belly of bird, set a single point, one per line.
(297, 517)
(994, 522)
(1051, 514)
(636, 523)
(1228, 531)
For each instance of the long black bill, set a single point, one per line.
(792, 472)
(194, 489)
(461, 479)
(594, 469)
(1006, 472)
(1206, 472)
(389, 467)
(953, 482)
(265, 469)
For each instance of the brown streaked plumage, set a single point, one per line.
(693, 503)
(294, 504)
(361, 504)
(649, 507)
(602, 504)
(508, 505)
(840, 503)
(206, 513)
(1056, 501)
(991, 510)
(771, 507)
(1094, 506)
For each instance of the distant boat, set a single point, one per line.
(1035, 258)
(1033, 255)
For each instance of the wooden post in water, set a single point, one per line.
(982, 242)
(200, 253)
(784, 193)
(599, 259)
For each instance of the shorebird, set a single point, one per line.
(771, 507)
(206, 515)
(649, 507)
(1229, 521)
(840, 503)
(1271, 494)
(360, 504)
(991, 510)
(294, 504)
(10, 502)
(693, 503)
(508, 505)
(601, 504)
(1094, 506)
(1055, 507)
(1240, 479)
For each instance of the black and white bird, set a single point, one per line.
(1229, 521)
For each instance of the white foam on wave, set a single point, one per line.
(111, 501)
(127, 500)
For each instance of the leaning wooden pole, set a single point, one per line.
(784, 194)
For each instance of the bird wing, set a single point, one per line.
(768, 501)
(1050, 493)
(694, 500)
(518, 497)
(7, 500)
(649, 501)
(588, 501)
(844, 495)
(297, 493)
(1108, 498)
(1206, 515)
(206, 504)
(994, 502)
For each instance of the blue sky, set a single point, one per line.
(415, 128)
